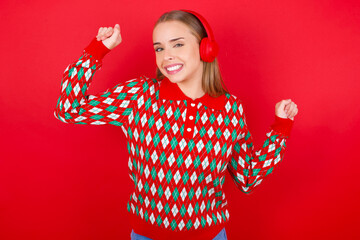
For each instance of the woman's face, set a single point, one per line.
(175, 45)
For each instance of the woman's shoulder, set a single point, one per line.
(141, 81)
(232, 98)
(146, 83)
(234, 104)
(149, 80)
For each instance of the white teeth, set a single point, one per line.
(173, 68)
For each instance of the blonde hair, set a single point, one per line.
(212, 81)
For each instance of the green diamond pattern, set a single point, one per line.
(167, 208)
(209, 146)
(179, 160)
(185, 177)
(142, 136)
(197, 162)
(182, 210)
(162, 158)
(201, 177)
(153, 173)
(191, 193)
(158, 220)
(208, 205)
(173, 224)
(80, 73)
(151, 121)
(167, 126)
(196, 208)
(224, 149)
(277, 151)
(214, 218)
(234, 135)
(156, 139)
(204, 191)
(262, 157)
(146, 187)
(173, 143)
(169, 176)
(218, 133)
(94, 103)
(160, 191)
(140, 199)
(191, 145)
(234, 107)
(203, 221)
(84, 88)
(68, 89)
(175, 194)
(202, 131)
(197, 117)
(147, 155)
(153, 203)
(212, 118)
(68, 116)
(111, 108)
(162, 110)
(189, 224)
(213, 165)
(177, 114)
(148, 104)
(269, 171)
(96, 117)
(242, 123)
(266, 143)
(227, 120)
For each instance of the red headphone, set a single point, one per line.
(209, 49)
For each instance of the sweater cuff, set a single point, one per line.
(283, 125)
(97, 49)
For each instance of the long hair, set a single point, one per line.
(212, 81)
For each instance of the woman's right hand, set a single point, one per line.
(111, 37)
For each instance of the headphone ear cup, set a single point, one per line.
(208, 50)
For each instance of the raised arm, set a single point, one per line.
(110, 107)
(249, 166)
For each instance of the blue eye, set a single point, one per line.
(156, 50)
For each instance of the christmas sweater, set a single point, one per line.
(179, 148)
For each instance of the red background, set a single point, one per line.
(60, 181)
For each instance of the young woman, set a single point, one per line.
(183, 129)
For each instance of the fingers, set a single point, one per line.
(292, 113)
(109, 32)
(100, 33)
(117, 28)
(104, 32)
(291, 109)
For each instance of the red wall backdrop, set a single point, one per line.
(60, 181)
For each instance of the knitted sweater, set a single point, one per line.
(179, 148)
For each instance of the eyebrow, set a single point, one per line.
(172, 40)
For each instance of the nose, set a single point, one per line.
(168, 54)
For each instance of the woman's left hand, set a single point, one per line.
(286, 109)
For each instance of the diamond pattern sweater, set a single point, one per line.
(179, 148)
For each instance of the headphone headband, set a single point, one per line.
(204, 22)
(208, 46)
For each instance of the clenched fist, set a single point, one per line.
(111, 37)
(286, 109)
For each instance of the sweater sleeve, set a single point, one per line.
(110, 107)
(249, 166)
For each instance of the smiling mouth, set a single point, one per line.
(174, 69)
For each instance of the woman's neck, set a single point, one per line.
(192, 89)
